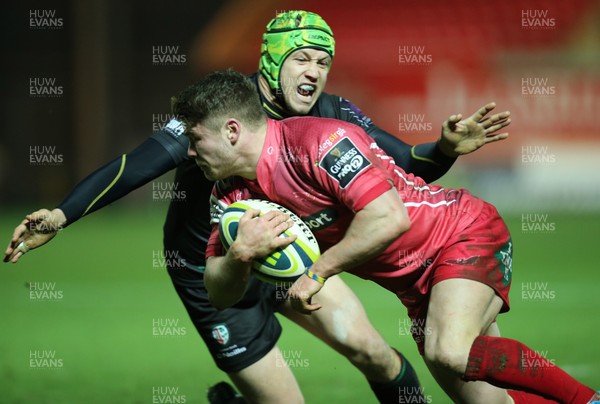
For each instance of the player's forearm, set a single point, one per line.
(116, 179)
(226, 279)
(372, 230)
(429, 161)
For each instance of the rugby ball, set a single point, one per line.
(283, 265)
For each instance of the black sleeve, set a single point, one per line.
(425, 160)
(160, 153)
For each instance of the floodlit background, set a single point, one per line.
(83, 82)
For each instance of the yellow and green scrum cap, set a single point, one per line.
(288, 32)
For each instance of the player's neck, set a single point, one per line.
(250, 151)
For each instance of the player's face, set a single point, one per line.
(303, 77)
(210, 151)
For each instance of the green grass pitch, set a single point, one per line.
(92, 336)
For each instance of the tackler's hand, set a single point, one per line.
(35, 230)
(463, 136)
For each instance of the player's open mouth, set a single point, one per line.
(306, 90)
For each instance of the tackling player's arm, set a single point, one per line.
(425, 160)
(431, 161)
(160, 153)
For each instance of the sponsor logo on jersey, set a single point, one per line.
(344, 161)
(321, 219)
(220, 333)
(331, 140)
(231, 352)
(175, 128)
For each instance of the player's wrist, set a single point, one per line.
(240, 254)
(44, 221)
(314, 276)
(447, 147)
(58, 219)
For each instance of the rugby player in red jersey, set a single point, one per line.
(446, 254)
(295, 58)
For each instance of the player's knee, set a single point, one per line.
(369, 354)
(450, 354)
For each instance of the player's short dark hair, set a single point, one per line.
(218, 95)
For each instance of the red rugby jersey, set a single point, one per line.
(324, 170)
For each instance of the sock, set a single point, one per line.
(405, 388)
(509, 364)
(520, 397)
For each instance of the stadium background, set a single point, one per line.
(103, 299)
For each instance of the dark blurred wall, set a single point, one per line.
(83, 81)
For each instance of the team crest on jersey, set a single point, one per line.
(221, 334)
(344, 161)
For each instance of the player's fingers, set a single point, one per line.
(249, 215)
(451, 122)
(7, 254)
(19, 232)
(9, 249)
(276, 217)
(39, 214)
(488, 123)
(288, 223)
(299, 305)
(281, 223)
(8, 257)
(37, 217)
(498, 126)
(16, 256)
(453, 119)
(483, 111)
(495, 138)
(270, 215)
(282, 242)
(281, 227)
(501, 116)
(308, 308)
(494, 119)
(283, 219)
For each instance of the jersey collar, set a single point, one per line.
(272, 110)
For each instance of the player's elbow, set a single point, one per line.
(391, 214)
(390, 229)
(399, 219)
